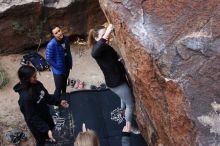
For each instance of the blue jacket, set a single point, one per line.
(55, 56)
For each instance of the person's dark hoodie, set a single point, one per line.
(108, 61)
(33, 102)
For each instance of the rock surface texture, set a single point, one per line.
(24, 22)
(172, 52)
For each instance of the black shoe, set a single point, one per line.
(50, 141)
(103, 86)
(93, 87)
(72, 83)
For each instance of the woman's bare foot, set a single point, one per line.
(128, 126)
(131, 129)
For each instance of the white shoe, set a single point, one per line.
(135, 130)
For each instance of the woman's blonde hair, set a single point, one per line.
(88, 138)
(93, 33)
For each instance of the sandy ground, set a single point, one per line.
(84, 68)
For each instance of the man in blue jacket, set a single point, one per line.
(58, 55)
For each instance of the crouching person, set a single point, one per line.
(33, 102)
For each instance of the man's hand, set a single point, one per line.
(64, 103)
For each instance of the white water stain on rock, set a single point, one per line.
(58, 3)
(140, 25)
(212, 119)
(6, 4)
(215, 106)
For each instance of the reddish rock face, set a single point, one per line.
(171, 50)
(32, 19)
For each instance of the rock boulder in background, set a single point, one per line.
(24, 22)
(172, 52)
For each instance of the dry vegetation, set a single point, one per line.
(3, 77)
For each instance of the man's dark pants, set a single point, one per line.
(60, 84)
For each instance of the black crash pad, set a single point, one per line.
(92, 107)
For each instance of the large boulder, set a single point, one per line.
(23, 23)
(171, 50)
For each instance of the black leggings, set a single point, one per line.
(60, 84)
(40, 138)
(40, 143)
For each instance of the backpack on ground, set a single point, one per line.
(15, 136)
(38, 61)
